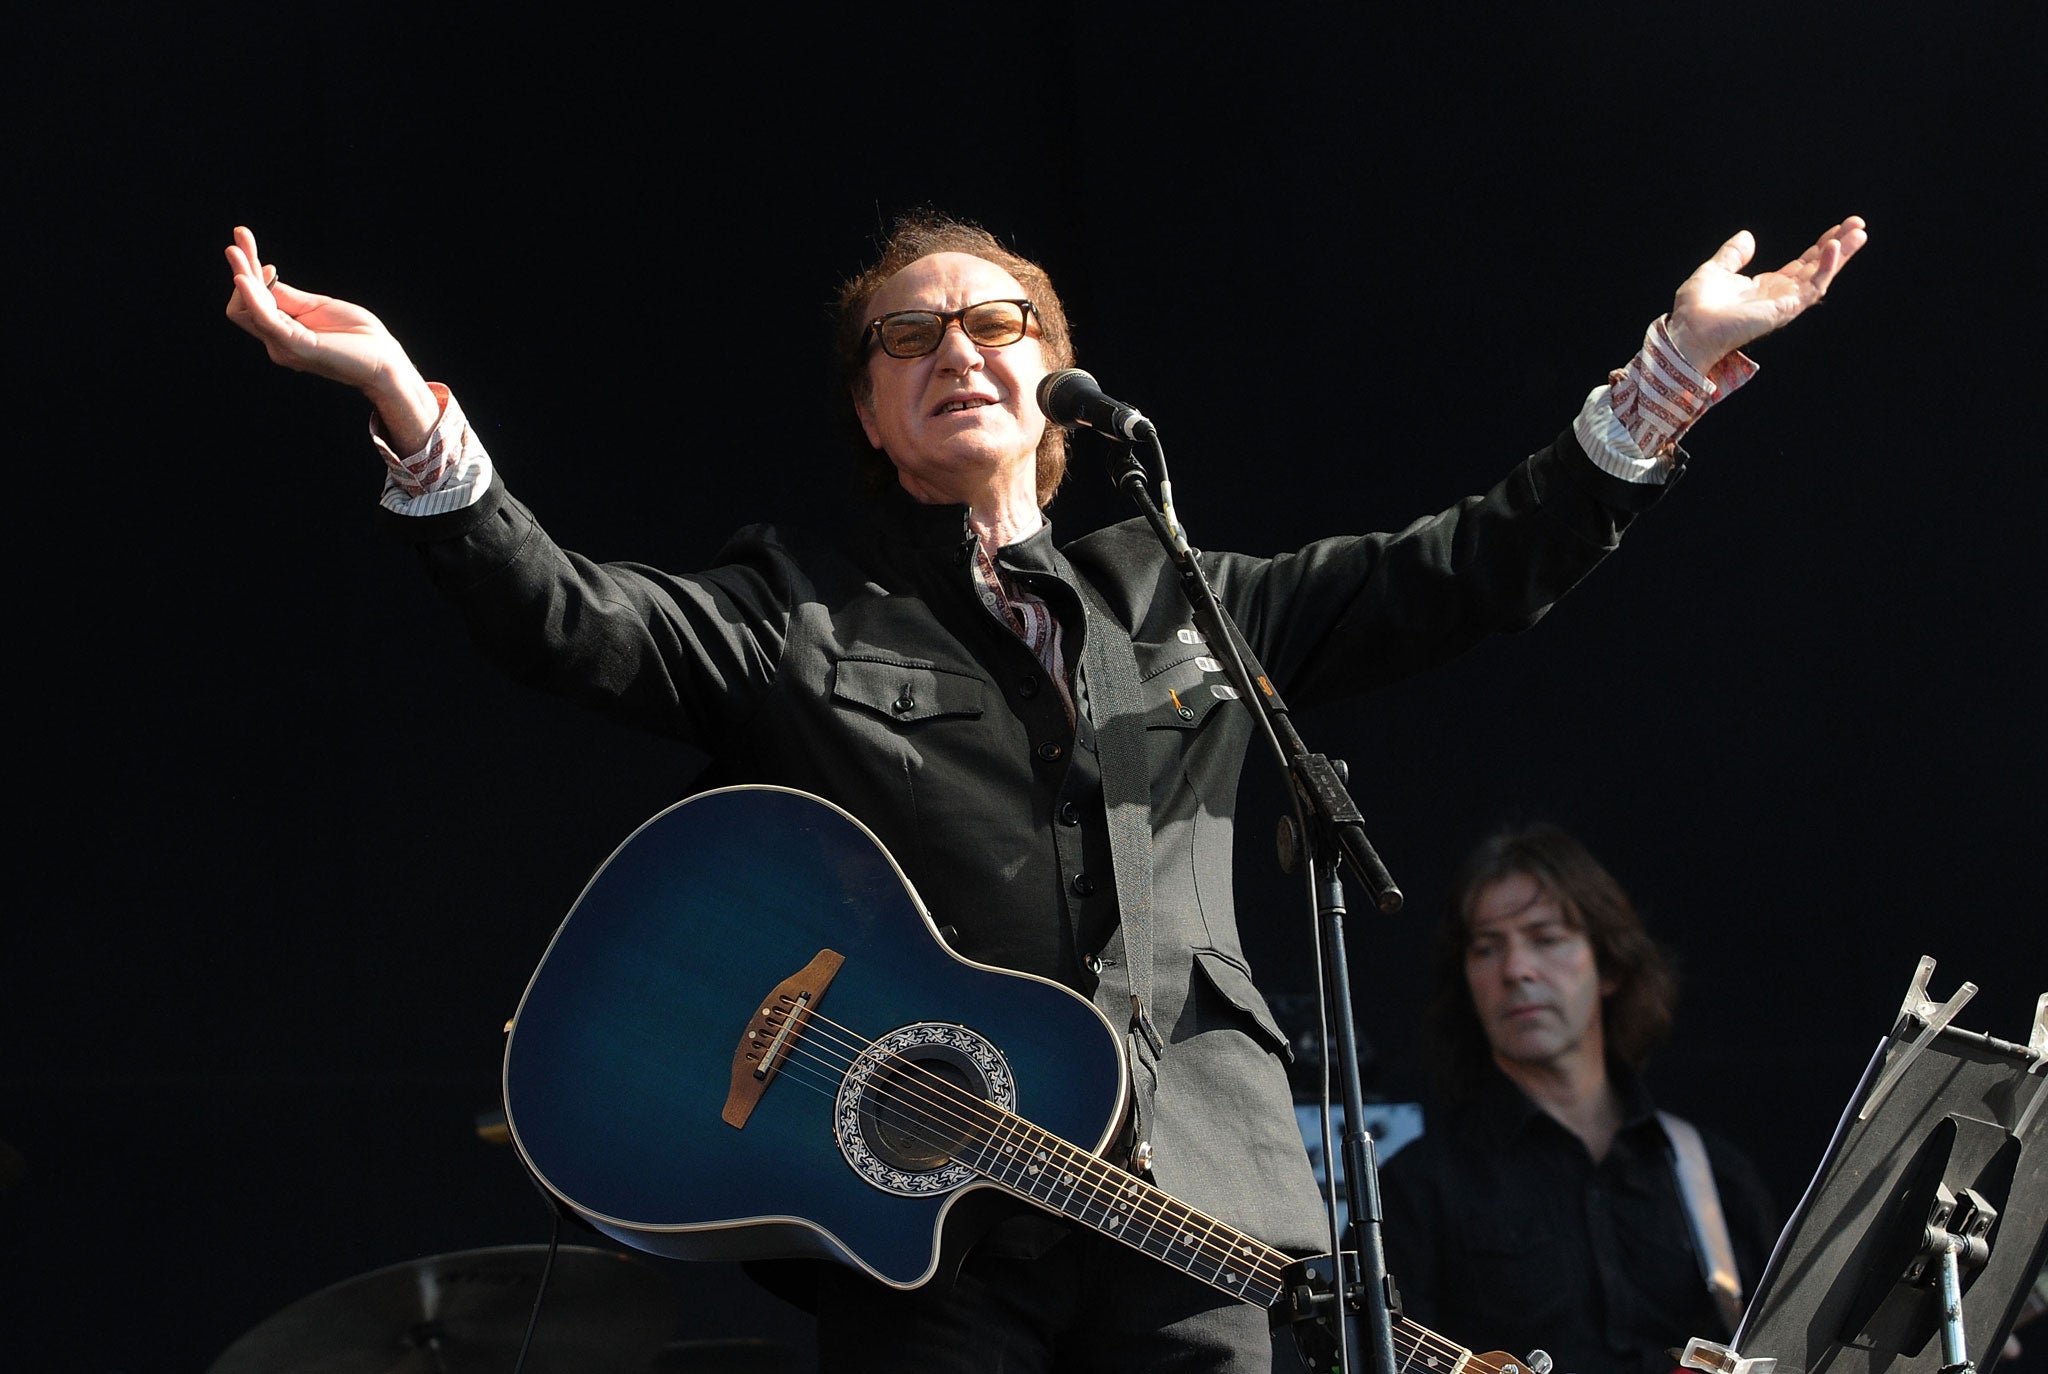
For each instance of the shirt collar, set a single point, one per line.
(1501, 1109)
(903, 519)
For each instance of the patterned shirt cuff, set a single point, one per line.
(1631, 427)
(451, 472)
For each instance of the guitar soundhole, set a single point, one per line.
(916, 1108)
(919, 1105)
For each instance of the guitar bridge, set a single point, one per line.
(773, 1032)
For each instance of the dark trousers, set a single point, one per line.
(1087, 1304)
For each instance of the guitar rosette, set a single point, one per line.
(921, 1105)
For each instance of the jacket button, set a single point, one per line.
(1083, 885)
(1050, 752)
(1092, 963)
(904, 701)
(1069, 814)
(1027, 686)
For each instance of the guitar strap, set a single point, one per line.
(1119, 717)
(1703, 1209)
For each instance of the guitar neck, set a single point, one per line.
(1043, 1169)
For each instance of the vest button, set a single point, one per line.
(1069, 814)
(1050, 752)
(1083, 885)
(1027, 686)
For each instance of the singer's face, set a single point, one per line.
(1534, 979)
(962, 420)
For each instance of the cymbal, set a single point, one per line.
(466, 1313)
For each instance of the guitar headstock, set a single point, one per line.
(1318, 1350)
(1500, 1362)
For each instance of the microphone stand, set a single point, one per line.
(1330, 831)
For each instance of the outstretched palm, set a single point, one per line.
(333, 339)
(1718, 310)
(312, 333)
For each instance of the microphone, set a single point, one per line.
(1071, 397)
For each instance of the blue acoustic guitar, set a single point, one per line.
(747, 1040)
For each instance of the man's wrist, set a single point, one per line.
(408, 408)
(1690, 347)
(447, 471)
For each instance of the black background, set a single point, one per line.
(286, 852)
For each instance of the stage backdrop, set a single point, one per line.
(286, 851)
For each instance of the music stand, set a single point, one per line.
(1927, 1220)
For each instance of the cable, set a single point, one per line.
(533, 1319)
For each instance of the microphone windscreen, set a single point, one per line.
(1063, 394)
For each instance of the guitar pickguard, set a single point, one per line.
(914, 1100)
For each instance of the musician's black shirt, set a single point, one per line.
(1503, 1234)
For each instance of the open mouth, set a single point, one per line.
(963, 404)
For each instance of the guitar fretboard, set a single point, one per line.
(1063, 1178)
(1048, 1171)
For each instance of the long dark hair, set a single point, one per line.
(1635, 1017)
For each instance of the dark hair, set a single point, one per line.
(920, 234)
(1635, 1017)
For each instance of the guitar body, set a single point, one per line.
(620, 1063)
(747, 1041)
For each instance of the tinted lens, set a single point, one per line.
(993, 323)
(911, 334)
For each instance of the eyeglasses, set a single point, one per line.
(914, 333)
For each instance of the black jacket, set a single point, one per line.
(866, 670)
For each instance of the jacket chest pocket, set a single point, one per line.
(1182, 685)
(907, 691)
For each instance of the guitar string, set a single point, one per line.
(1113, 1189)
(1263, 1269)
(821, 1074)
(1034, 1164)
(1419, 1339)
